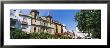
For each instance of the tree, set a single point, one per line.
(18, 34)
(89, 21)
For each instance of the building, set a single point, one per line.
(64, 28)
(35, 23)
(80, 34)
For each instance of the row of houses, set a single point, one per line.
(35, 23)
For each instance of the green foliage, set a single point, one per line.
(89, 21)
(41, 35)
(65, 37)
(96, 35)
(18, 34)
(46, 36)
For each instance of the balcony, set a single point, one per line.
(24, 23)
(13, 17)
(24, 26)
(50, 25)
(38, 23)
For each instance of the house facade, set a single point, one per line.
(35, 23)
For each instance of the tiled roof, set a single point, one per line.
(33, 10)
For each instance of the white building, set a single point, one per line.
(80, 34)
(21, 21)
(64, 28)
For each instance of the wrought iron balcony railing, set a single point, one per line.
(24, 23)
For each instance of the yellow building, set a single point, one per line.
(44, 23)
(35, 23)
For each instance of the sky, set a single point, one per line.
(63, 16)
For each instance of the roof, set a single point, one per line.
(49, 16)
(39, 18)
(24, 15)
(36, 11)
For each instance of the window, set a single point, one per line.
(34, 29)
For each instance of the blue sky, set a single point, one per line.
(64, 16)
